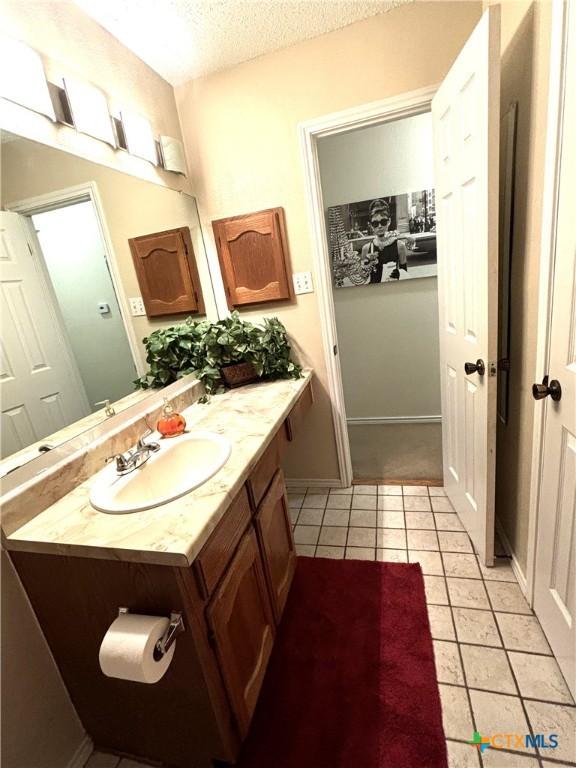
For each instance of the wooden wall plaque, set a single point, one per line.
(254, 260)
(167, 273)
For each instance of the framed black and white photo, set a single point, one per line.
(383, 240)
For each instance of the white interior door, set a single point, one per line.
(555, 576)
(466, 123)
(40, 388)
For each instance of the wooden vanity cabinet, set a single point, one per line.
(231, 597)
(242, 624)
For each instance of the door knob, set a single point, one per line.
(477, 367)
(540, 391)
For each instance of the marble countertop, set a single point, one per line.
(174, 533)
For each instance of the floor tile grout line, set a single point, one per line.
(502, 648)
(468, 697)
(510, 695)
(524, 710)
(531, 698)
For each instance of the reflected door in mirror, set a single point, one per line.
(167, 273)
(39, 383)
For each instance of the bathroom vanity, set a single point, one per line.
(222, 555)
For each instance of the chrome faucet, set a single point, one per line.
(131, 460)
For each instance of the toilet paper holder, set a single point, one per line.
(175, 628)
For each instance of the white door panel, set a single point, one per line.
(555, 578)
(465, 114)
(39, 385)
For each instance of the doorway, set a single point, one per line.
(379, 201)
(311, 133)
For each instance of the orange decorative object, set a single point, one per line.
(170, 422)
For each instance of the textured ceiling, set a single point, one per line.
(184, 39)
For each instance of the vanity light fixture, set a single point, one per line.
(173, 157)
(139, 136)
(89, 108)
(22, 77)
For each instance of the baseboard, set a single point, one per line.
(313, 483)
(80, 757)
(357, 420)
(516, 567)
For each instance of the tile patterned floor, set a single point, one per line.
(496, 672)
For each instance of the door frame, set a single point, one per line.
(88, 192)
(374, 113)
(558, 47)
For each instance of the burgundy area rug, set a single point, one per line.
(352, 681)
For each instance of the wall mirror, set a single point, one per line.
(73, 313)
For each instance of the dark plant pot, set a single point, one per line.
(238, 374)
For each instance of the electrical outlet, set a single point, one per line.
(137, 306)
(303, 282)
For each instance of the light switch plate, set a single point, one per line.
(137, 306)
(303, 282)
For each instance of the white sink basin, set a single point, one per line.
(182, 464)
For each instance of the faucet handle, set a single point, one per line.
(108, 409)
(121, 463)
(153, 446)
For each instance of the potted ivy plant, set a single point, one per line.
(231, 351)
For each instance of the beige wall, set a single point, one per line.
(130, 205)
(240, 130)
(40, 728)
(72, 44)
(525, 68)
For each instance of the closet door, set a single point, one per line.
(167, 274)
(253, 255)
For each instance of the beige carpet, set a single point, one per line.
(396, 451)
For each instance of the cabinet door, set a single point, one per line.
(276, 542)
(253, 255)
(167, 274)
(240, 617)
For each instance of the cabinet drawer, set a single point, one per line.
(296, 417)
(218, 550)
(265, 470)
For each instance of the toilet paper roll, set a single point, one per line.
(127, 651)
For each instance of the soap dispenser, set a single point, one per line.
(170, 423)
